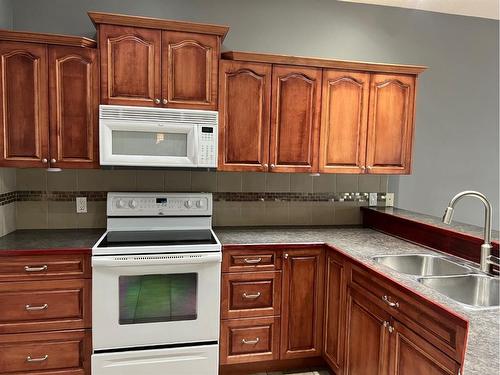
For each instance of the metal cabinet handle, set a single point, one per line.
(41, 359)
(157, 101)
(391, 329)
(265, 165)
(252, 261)
(386, 324)
(45, 160)
(389, 302)
(363, 167)
(165, 101)
(36, 269)
(36, 308)
(251, 296)
(285, 256)
(53, 160)
(272, 166)
(250, 342)
(369, 167)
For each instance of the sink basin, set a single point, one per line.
(422, 265)
(473, 290)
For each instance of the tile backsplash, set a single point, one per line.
(7, 203)
(46, 199)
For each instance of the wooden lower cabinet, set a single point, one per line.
(302, 303)
(410, 354)
(249, 340)
(367, 336)
(58, 352)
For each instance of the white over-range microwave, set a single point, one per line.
(157, 137)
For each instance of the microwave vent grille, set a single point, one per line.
(163, 115)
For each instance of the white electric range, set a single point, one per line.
(156, 286)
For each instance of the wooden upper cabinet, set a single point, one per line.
(390, 124)
(244, 101)
(344, 122)
(302, 303)
(410, 354)
(74, 102)
(367, 336)
(158, 63)
(189, 70)
(130, 65)
(295, 113)
(23, 104)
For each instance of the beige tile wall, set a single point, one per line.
(8, 211)
(63, 215)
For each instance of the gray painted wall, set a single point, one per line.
(5, 14)
(457, 131)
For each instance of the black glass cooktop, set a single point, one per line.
(158, 238)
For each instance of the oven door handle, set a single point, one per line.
(154, 260)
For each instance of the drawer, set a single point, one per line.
(44, 267)
(250, 258)
(440, 327)
(249, 340)
(45, 305)
(64, 353)
(251, 294)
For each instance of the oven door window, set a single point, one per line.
(143, 143)
(158, 298)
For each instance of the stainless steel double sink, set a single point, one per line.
(451, 278)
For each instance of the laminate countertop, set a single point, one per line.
(362, 244)
(26, 241)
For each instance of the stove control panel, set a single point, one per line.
(159, 204)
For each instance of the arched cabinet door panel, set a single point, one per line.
(130, 65)
(189, 70)
(390, 124)
(244, 101)
(295, 114)
(24, 110)
(344, 117)
(74, 92)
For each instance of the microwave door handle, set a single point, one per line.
(152, 260)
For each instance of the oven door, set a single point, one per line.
(138, 143)
(163, 299)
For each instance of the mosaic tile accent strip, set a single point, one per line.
(95, 196)
(7, 198)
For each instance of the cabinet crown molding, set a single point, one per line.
(322, 62)
(157, 23)
(57, 39)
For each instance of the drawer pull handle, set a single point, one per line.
(36, 269)
(389, 302)
(250, 342)
(252, 261)
(251, 296)
(36, 308)
(41, 359)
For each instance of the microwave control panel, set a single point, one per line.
(207, 156)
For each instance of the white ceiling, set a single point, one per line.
(474, 8)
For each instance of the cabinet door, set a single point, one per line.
(24, 111)
(244, 101)
(74, 103)
(334, 332)
(302, 303)
(189, 70)
(367, 340)
(130, 65)
(412, 355)
(296, 101)
(390, 125)
(344, 122)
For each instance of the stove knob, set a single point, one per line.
(188, 204)
(120, 203)
(132, 203)
(200, 204)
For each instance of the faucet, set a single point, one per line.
(486, 257)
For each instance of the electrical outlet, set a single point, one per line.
(373, 199)
(81, 205)
(389, 200)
